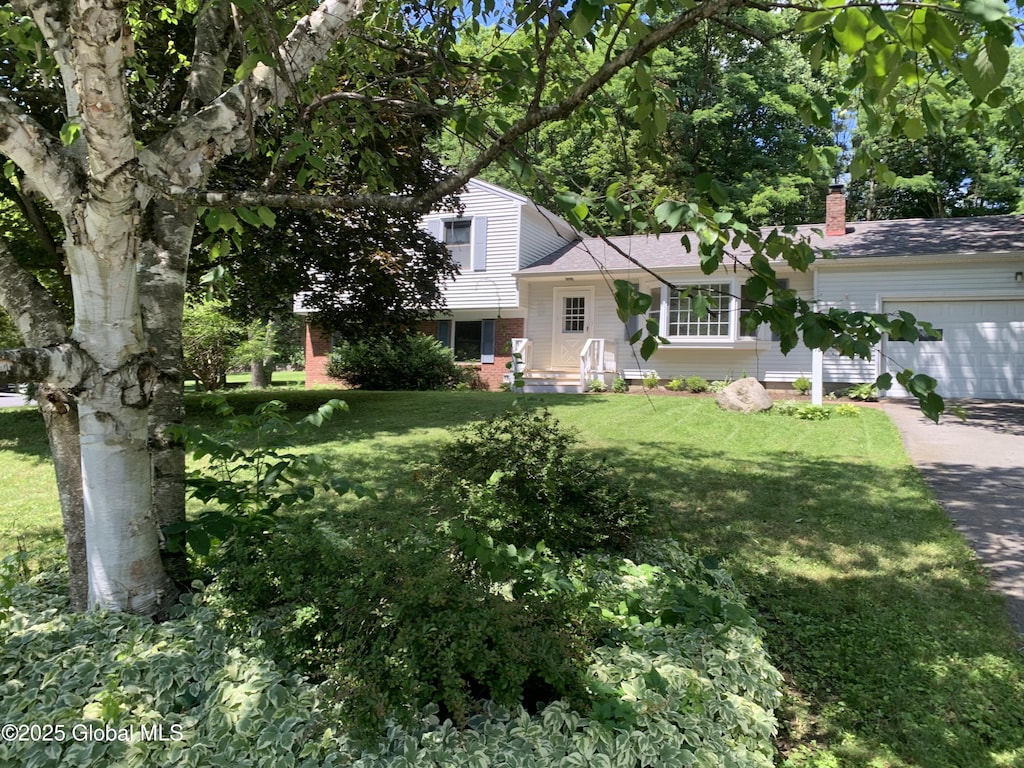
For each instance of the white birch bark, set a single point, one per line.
(41, 324)
(126, 328)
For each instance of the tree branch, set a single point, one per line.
(209, 56)
(455, 182)
(402, 105)
(41, 157)
(744, 30)
(54, 28)
(37, 317)
(296, 201)
(34, 217)
(187, 154)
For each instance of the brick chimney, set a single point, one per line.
(835, 211)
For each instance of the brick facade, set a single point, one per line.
(318, 350)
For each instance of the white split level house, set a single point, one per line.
(533, 293)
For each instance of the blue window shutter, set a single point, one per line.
(479, 258)
(444, 332)
(436, 228)
(487, 341)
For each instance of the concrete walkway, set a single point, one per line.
(975, 468)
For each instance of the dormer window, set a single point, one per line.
(458, 238)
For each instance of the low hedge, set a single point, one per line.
(682, 680)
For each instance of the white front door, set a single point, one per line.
(574, 313)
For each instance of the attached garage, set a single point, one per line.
(977, 352)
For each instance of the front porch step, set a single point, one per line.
(536, 382)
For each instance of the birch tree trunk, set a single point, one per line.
(126, 255)
(60, 414)
(167, 240)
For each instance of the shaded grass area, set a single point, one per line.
(874, 608)
(29, 512)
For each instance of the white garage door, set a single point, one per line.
(980, 353)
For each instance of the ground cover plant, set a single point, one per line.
(588, 657)
(894, 652)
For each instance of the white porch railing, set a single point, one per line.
(522, 351)
(591, 362)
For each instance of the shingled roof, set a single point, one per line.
(863, 239)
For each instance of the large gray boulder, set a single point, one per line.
(745, 396)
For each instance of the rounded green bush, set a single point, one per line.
(697, 384)
(418, 362)
(519, 478)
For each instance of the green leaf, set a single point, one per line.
(881, 19)
(913, 128)
(198, 539)
(69, 132)
(267, 216)
(850, 30)
(984, 69)
(987, 11)
(248, 216)
(649, 347)
(757, 288)
(250, 63)
(808, 22)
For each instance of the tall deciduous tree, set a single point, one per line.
(963, 166)
(117, 113)
(729, 106)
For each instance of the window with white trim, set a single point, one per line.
(471, 341)
(466, 239)
(458, 238)
(684, 321)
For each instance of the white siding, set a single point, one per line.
(540, 235)
(762, 360)
(866, 285)
(517, 234)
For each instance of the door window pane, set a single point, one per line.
(574, 312)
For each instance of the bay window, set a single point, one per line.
(685, 318)
(704, 314)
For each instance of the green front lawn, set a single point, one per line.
(895, 652)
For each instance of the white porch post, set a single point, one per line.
(817, 385)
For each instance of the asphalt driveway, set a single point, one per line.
(975, 468)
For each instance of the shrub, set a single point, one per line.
(719, 385)
(518, 478)
(866, 391)
(697, 384)
(620, 386)
(845, 409)
(804, 411)
(209, 340)
(243, 488)
(392, 624)
(682, 679)
(802, 385)
(417, 362)
(676, 385)
(650, 379)
(596, 385)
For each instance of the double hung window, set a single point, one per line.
(458, 238)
